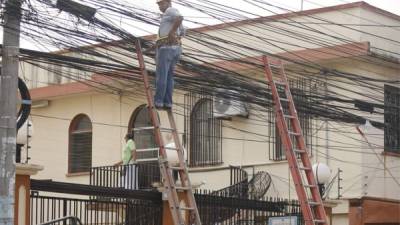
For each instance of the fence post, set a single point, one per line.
(64, 210)
(22, 192)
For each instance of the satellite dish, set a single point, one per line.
(259, 185)
(322, 173)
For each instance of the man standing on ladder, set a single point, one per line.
(168, 51)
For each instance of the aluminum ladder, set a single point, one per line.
(296, 153)
(170, 187)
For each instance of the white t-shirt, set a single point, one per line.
(167, 22)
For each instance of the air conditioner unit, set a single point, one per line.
(226, 106)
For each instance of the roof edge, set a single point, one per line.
(361, 4)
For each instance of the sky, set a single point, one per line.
(392, 6)
(388, 5)
(293, 5)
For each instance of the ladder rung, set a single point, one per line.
(314, 203)
(186, 208)
(284, 100)
(176, 168)
(304, 168)
(166, 129)
(289, 116)
(309, 186)
(146, 159)
(293, 133)
(182, 188)
(143, 128)
(280, 83)
(299, 151)
(152, 128)
(147, 149)
(319, 221)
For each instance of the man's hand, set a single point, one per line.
(171, 37)
(172, 34)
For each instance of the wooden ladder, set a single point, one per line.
(296, 154)
(170, 187)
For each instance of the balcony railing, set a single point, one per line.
(136, 176)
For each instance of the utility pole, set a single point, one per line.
(302, 4)
(8, 109)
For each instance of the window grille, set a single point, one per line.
(80, 145)
(143, 138)
(202, 132)
(392, 119)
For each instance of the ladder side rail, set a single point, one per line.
(294, 170)
(178, 145)
(300, 141)
(304, 157)
(291, 157)
(167, 174)
(149, 96)
(185, 181)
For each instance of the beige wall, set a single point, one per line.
(109, 115)
(388, 46)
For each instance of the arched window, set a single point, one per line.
(149, 172)
(144, 139)
(80, 144)
(205, 135)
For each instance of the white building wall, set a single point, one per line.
(383, 39)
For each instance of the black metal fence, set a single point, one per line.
(132, 176)
(223, 209)
(53, 200)
(77, 201)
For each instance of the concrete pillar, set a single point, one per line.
(328, 205)
(22, 192)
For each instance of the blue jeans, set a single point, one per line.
(166, 59)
